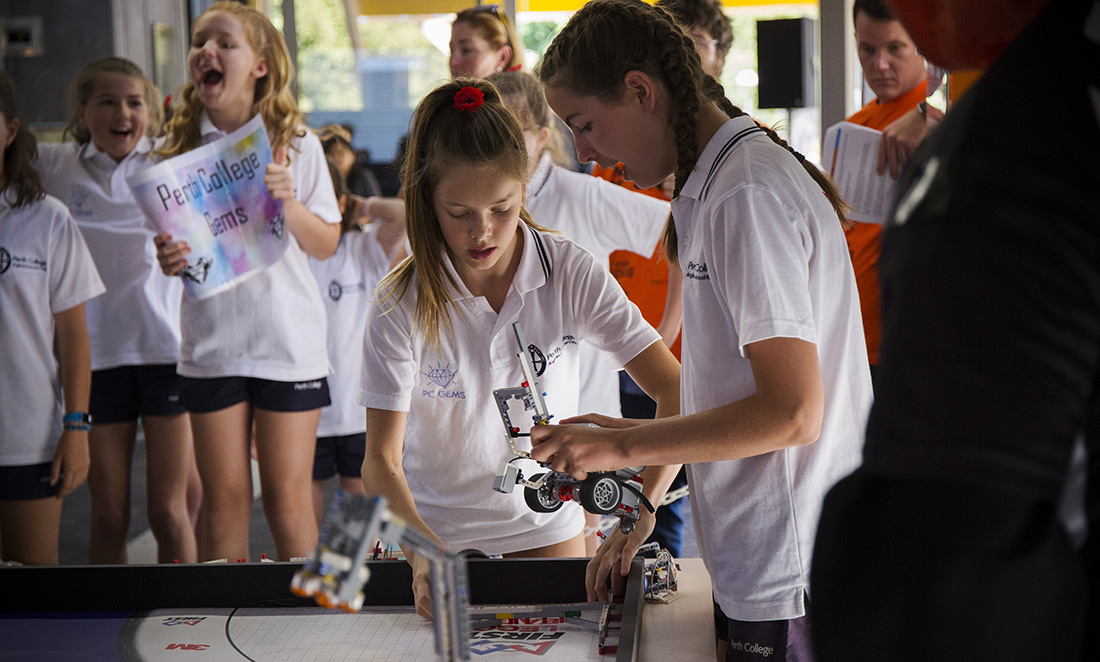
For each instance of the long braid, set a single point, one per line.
(714, 91)
(681, 70)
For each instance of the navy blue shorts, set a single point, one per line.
(205, 395)
(343, 455)
(27, 482)
(126, 392)
(756, 641)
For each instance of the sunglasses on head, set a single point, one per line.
(493, 9)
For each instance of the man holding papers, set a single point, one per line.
(897, 75)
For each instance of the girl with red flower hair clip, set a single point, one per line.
(469, 98)
(439, 337)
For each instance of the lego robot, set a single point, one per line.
(336, 571)
(617, 493)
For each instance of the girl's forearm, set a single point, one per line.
(741, 429)
(317, 238)
(382, 477)
(75, 356)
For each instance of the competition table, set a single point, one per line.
(246, 612)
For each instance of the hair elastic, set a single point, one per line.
(469, 98)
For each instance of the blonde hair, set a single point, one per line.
(442, 136)
(82, 87)
(272, 100)
(497, 28)
(626, 35)
(524, 94)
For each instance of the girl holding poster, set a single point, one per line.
(46, 275)
(134, 326)
(439, 338)
(253, 358)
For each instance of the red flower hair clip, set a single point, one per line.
(469, 98)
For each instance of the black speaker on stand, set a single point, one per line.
(785, 64)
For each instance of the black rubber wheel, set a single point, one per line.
(601, 495)
(541, 500)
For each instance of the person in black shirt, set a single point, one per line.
(947, 543)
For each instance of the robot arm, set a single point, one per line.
(336, 571)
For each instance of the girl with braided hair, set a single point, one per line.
(775, 385)
(439, 338)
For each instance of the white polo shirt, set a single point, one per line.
(763, 256)
(347, 281)
(272, 325)
(136, 321)
(455, 441)
(602, 218)
(45, 268)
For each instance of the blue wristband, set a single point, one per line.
(77, 417)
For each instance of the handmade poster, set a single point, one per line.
(214, 198)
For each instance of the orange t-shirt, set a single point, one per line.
(864, 239)
(644, 279)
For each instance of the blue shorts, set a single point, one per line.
(343, 455)
(205, 395)
(27, 482)
(126, 392)
(757, 641)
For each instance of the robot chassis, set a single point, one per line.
(617, 493)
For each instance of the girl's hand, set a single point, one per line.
(70, 462)
(422, 588)
(615, 553)
(172, 255)
(578, 449)
(277, 178)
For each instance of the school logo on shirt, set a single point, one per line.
(542, 359)
(538, 359)
(697, 271)
(440, 377)
(337, 290)
(78, 199)
(7, 261)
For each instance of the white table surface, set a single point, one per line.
(683, 630)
